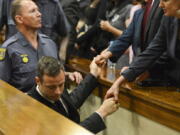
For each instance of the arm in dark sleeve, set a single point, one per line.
(72, 12)
(2, 13)
(83, 90)
(63, 24)
(101, 15)
(144, 61)
(93, 123)
(95, 28)
(5, 65)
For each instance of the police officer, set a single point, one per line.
(54, 22)
(20, 53)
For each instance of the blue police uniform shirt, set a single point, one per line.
(54, 21)
(18, 59)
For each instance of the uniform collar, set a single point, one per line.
(24, 42)
(40, 39)
(22, 39)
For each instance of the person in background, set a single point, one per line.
(54, 21)
(50, 91)
(19, 54)
(72, 11)
(139, 34)
(137, 4)
(96, 39)
(167, 39)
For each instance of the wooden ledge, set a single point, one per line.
(161, 104)
(22, 115)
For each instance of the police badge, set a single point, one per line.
(2, 53)
(25, 58)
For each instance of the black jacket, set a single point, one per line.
(73, 101)
(165, 40)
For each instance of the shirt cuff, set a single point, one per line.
(129, 75)
(100, 116)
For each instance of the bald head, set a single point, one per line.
(16, 8)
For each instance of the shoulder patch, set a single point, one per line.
(2, 53)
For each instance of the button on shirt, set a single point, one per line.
(18, 67)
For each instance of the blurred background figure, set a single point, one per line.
(110, 22)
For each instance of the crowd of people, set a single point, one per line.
(39, 36)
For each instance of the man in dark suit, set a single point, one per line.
(139, 34)
(167, 39)
(50, 91)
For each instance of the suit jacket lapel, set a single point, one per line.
(41, 99)
(73, 114)
(139, 33)
(37, 96)
(152, 13)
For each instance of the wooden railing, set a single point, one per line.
(22, 115)
(161, 104)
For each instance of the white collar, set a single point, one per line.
(37, 89)
(40, 93)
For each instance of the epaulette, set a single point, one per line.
(9, 42)
(43, 36)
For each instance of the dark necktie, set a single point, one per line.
(61, 108)
(145, 18)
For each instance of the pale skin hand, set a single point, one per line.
(103, 57)
(95, 69)
(114, 90)
(74, 76)
(108, 107)
(105, 25)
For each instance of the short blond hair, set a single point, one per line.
(16, 8)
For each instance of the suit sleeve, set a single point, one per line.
(64, 26)
(101, 15)
(144, 61)
(119, 46)
(93, 123)
(84, 89)
(71, 12)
